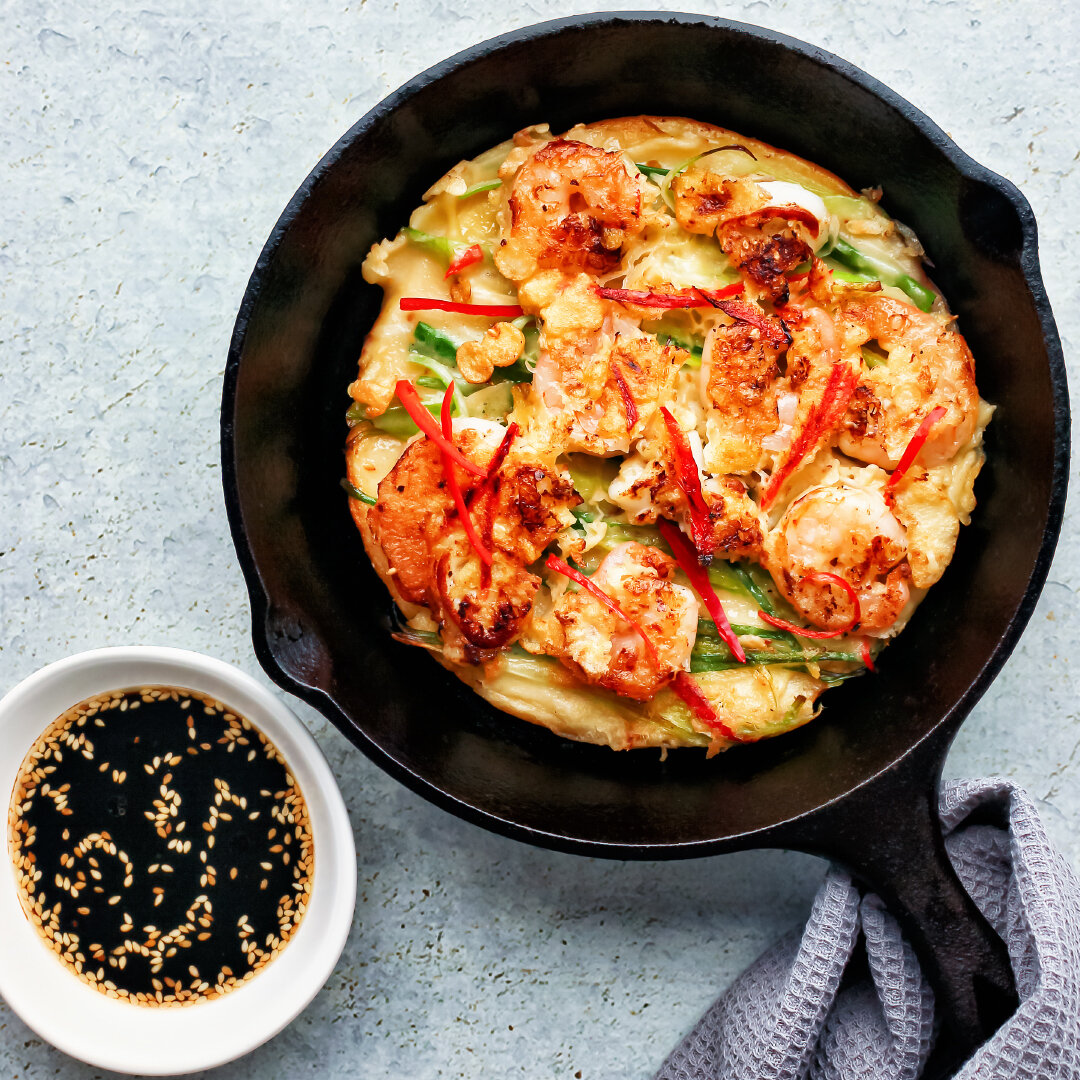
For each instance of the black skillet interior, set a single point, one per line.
(320, 614)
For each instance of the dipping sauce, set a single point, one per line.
(161, 845)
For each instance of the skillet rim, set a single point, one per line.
(947, 723)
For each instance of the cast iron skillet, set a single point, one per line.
(860, 783)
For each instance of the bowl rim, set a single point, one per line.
(125, 1037)
(965, 165)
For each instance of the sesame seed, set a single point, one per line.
(161, 967)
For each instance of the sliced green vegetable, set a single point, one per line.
(831, 678)
(445, 375)
(516, 660)
(678, 719)
(517, 372)
(742, 578)
(851, 208)
(720, 658)
(711, 653)
(356, 493)
(492, 401)
(439, 246)
(791, 715)
(484, 185)
(425, 639)
(530, 356)
(653, 172)
(438, 345)
(841, 274)
(692, 349)
(395, 421)
(873, 356)
(862, 263)
(707, 628)
(442, 247)
(923, 297)
(618, 533)
(435, 342)
(667, 334)
(592, 476)
(843, 252)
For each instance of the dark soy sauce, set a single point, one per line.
(162, 847)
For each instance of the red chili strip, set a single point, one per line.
(911, 451)
(495, 311)
(500, 454)
(773, 330)
(864, 653)
(553, 562)
(822, 419)
(686, 298)
(410, 400)
(463, 259)
(686, 475)
(699, 578)
(452, 482)
(737, 288)
(789, 213)
(493, 469)
(682, 298)
(687, 688)
(803, 631)
(627, 400)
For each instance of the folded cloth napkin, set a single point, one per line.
(786, 1018)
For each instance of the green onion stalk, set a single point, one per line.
(877, 269)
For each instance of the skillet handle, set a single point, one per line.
(899, 853)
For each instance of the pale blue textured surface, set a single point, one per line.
(145, 157)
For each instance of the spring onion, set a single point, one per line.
(393, 421)
(484, 185)
(355, 493)
(439, 246)
(859, 261)
(434, 342)
(444, 374)
(653, 172)
(873, 356)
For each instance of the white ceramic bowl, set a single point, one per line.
(116, 1034)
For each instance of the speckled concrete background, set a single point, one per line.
(146, 155)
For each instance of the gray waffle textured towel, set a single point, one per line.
(783, 1019)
